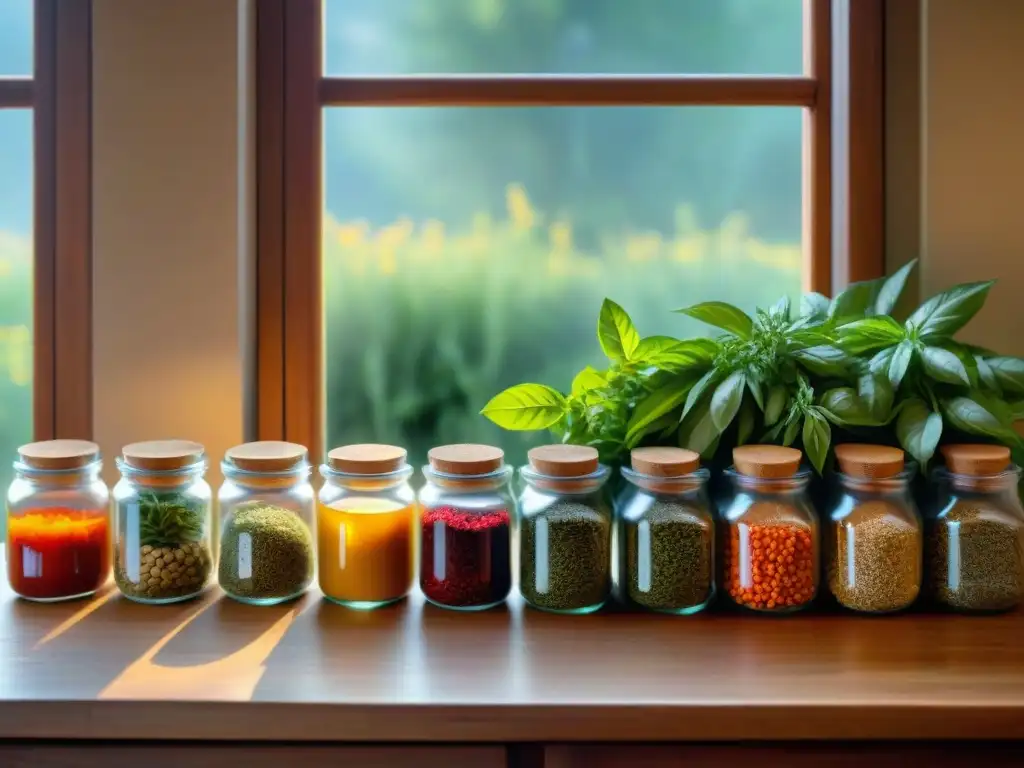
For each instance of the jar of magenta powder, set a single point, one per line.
(466, 511)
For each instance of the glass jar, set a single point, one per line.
(267, 553)
(565, 534)
(874, 539)
(465, 527)
(975, 533)
(770, 537)
(365, 521)
(666, 532)
(162, 551)
(58, 522)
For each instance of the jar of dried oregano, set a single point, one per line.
(975, 532)
(873, 538)
(565, 533)
(770, 542)
(666, 532)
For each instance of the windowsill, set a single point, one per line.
(111, 669)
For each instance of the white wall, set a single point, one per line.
(171, 222)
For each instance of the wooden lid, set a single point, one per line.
(772, 462)
(664, 461)
(466, 459)
(59, 454)
(157, 455)
(976, 460)
(266, 456)
(869, 461)
(367, 459)
(562, 460)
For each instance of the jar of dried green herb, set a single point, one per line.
(266, 523)
(874, 535)
(974, 535)
(666, 532)
(565, 530)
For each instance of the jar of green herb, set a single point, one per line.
(565, 530)
(975, 531)
(666, 532)
(266, 523)
(162, 550)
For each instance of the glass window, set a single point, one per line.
(563, 36)
(469, 249)
(15, 285)
(16, 37)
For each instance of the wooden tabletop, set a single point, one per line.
(311, 670)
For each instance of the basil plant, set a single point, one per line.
(788, 375)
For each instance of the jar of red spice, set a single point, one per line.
(58, 521)
(770, 543)
(466, 511)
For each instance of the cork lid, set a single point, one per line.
(466, 459)
(266, 456)
(771, 462)
(976, 460)
(59, 454)
(664, 461)
(158, 455)
(367, 459)
(869, 461)
(563, 460)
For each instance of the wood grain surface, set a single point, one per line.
(313, 671)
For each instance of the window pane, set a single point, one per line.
(469, 249)
(16, 37)
(15, 286)
(567, 36)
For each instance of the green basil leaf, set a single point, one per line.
(814, 305)
(946, 313)
(807, 337)
(987, 376)
(855, 302)
(588, 379)
(876, 395)
(726, 400)
(1016, 410)
(892, 289)
(969, 415)
(844, 407)
(778, 396)
(880, 362)
(817, 436)
(699, 432)
(780, 310)
(755, 390)
(706, 381)
(677, 356)
(746, 423)
(792, 430)
(942, 365)
(899, 362)
(616, 332)
(870, 334)
(526, 407)
(661, 402)
(1009, 373)
(919, 430)
(824, 360)
(722, 315)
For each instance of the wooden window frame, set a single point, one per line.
(842, 92)
(59, 95)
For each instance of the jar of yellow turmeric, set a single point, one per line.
(365, 519)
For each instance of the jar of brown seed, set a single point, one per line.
(975, 533)
(874, 534)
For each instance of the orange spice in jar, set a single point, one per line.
(770, 557)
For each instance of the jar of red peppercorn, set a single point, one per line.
(58, 522)
(466, 511)
(770, 547)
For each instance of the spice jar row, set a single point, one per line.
(671, 551)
